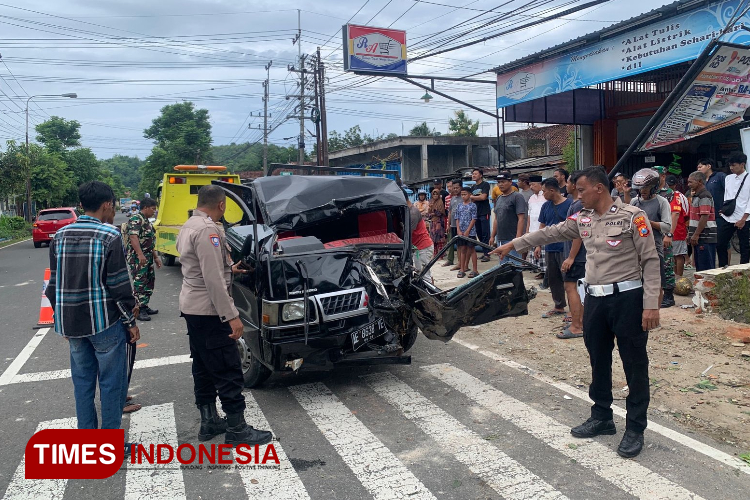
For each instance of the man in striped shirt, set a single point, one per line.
(702, 225)
(94, 305)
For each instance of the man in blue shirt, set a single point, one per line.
(554, 211)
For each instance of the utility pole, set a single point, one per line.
(323, 122)
(301, 91)
(265, 117)
(316, 71)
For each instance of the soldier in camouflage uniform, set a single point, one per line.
(141, 256)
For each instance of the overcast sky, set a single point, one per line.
(126, 59)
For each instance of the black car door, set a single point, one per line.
(494, 294)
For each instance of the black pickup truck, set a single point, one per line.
(330, 280)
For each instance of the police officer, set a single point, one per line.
(213, 323)
(622, 283)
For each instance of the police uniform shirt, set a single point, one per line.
(619, 243)
(206, 271)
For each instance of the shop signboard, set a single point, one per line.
(374, 50)
(663, 42)
(717, 97)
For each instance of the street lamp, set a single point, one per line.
(28, 168)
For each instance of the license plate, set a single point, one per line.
(368, 333)
(51, 235)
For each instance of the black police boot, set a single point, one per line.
(631, 444)
(593, 427)
(151, 311)
(668, 299)
(238, 432)
(143, 316)
(211, 423)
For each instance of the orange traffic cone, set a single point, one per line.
(46, 312)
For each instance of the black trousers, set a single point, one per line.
(726, 231)
(555, 278)
(216, 363)
(483, 231)
(605, 319)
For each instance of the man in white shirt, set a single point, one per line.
(737, 188)
(535, 202)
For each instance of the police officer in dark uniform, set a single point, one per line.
(213, 322)
(622, 283)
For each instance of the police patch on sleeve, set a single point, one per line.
(215, 240)
(574, 216)
(640, 223)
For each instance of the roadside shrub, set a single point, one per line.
(14, 228)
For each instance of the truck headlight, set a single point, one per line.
(293, 311)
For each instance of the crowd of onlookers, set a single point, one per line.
(693, 221)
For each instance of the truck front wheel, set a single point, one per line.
(412, 331)
(167, 259)
(253, 371)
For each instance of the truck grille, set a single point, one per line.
(334, 305)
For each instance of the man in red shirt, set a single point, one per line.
(680, 209)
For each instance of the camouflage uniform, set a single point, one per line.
(143, 276)
(668, 252)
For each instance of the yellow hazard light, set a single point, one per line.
(178, 180)
(198, 168)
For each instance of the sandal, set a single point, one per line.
(552, 312)
(446, 264)
(130, 408)
(568, 319)
(455, 268)
(461, 275)
(473, 274)
(567, 334)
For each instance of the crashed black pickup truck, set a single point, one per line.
(330, 279)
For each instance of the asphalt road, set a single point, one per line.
(456, 424)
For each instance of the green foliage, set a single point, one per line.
(12, 170)
(569, 153)
(52, 182)
(14, 228)
(58, 134)
(244, 157)
(423, 130)
(462, 125)
(182, 136)
(123, 169)
(352, 138)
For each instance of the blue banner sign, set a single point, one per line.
(664, 42)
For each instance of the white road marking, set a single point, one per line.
(23, 356)
(16, 243)
(58, 374)
(506, 476)
(682, 439)
(269, 483)
(22, 284)
(154, 425)
(21, 488)
(379, 471)
(628, 475)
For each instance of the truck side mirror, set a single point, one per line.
(247, 247)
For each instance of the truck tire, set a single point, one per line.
(168, 260)
(253, 371)
(37, 244)
(412, 332)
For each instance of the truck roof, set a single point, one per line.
(293, 200)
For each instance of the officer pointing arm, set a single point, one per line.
(622, 284)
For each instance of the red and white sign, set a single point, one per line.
(378, 50)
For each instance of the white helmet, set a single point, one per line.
(646, 177)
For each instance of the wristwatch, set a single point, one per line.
(668, 235)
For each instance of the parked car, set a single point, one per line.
(48, 221)
(330, 279)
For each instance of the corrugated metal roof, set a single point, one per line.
(665, 11)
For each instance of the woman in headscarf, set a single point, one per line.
(437, 217)
(422, 204)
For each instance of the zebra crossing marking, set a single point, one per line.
(21, 488)
(379, 470)
(154, 425)
(675, 436)
(506, 476)
(627, 475)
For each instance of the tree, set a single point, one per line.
(569, 153)
(181, 135)
(51, 179)
(58, 134)
(124, 168)
(12, 171)
(423, 130)
(462, 126)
